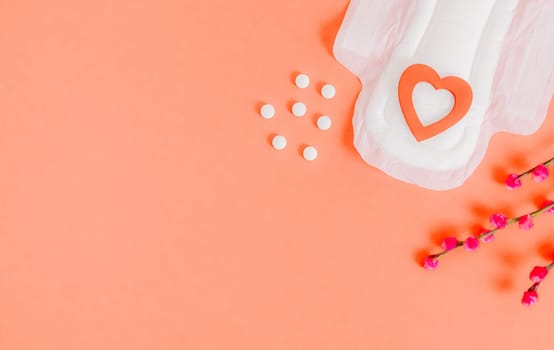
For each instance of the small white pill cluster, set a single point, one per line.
(299, 110)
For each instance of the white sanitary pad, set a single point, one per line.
(503, 49)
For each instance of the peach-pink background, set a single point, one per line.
(142, 207)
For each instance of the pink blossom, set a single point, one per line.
(540, 173)
(513, 181)
(538, 274)
(526, 222)
(530, 298)
(548, 203)
(471, 244)
(449, 243)
(431, 263)
(499, 220)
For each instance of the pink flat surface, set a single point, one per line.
(142, 206)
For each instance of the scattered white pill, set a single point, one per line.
(328, 91)
(302, 81)
(324, 122)
(267, 111)
(310, 153)
(299, 109)
(279, 142)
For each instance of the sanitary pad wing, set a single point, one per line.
(494, 57)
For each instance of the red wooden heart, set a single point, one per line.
(460, 89)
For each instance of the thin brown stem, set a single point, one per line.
(546, 164)
(534, 287)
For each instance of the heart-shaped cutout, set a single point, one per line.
(459, 88)
(431, 105)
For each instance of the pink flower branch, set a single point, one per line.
(499, 222)
(540, 173)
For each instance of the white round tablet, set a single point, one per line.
(267, 111)
(302, 81)
(310, 153)
(279, 142)
(299, 109)
(324, 122)
(328, 91)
